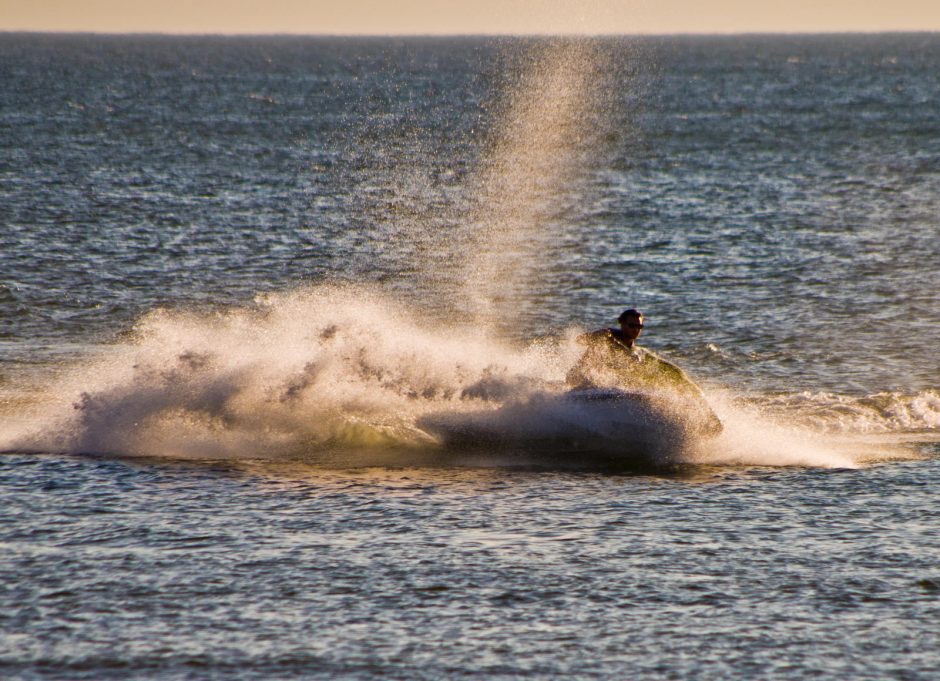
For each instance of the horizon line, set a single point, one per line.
(290, 34)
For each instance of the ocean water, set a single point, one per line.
(240, 276)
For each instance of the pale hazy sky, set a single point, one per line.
(471, 16)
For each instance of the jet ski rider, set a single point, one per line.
(614, 360)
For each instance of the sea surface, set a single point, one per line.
(239, 278)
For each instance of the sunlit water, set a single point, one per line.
(240, 277)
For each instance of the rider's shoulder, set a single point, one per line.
(597, 335)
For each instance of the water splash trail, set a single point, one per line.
(305, 376)
(296, 374)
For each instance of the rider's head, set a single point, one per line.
(631, 323)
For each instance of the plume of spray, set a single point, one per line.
(543, 149)
(295, 375)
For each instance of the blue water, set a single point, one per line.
(238, 275)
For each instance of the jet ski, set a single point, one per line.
(618, 426)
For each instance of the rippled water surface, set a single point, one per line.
(240, 277)
(292, 572)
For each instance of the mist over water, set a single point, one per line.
(541, 157)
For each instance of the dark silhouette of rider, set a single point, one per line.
(613, 359)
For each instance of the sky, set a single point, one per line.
(386, 17)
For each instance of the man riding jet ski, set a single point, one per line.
(614, 367)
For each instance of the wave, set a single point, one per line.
(329, 372)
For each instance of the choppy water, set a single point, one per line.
(238, 275)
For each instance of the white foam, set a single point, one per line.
(758, 433)
(311, 368)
